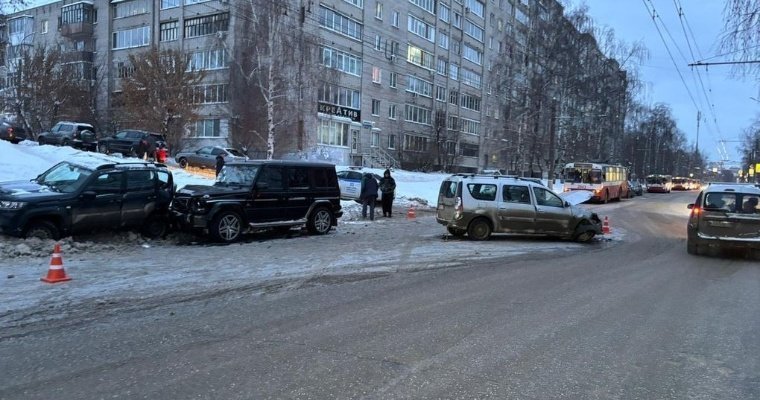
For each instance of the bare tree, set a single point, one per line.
(158, 94)
(742, 33)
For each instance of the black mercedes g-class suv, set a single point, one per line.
(261, 194)
(80, 197)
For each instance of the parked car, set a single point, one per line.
(72, 198)
(205, 157)
(127, 142)
(12, 133)
(724, 216)
(479, 205)
(636, 188)
(261, 194)
(75, 134)
(350, 182)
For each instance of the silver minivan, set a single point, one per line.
(479, 205)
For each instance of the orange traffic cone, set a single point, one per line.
(55, 272)
(411, 214)
(606, 226)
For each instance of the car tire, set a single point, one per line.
(42, 230)
(585, 233)
(226, 227)
(41, 141)
(103, 148)
(320, 221)
(456, 232)
(155, 227)
(182, 162)
(65, 142)
(479, 229)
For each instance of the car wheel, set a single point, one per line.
(585, 233)
(42, 230)
(103, 148)
(320, 221)
(227, 226)
(183, 162)
(155, 227)
(41, 141)
(456, 232)
(479, 229)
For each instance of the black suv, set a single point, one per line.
(75, 134)
(261, 194)
(72, 198)
(127, 142)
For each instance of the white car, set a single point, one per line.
(350, 183)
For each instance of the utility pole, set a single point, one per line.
(699, 116)
(552, 134)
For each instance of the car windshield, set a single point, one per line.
(64, 177)
(239, 175)
(235, 153)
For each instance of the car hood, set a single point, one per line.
(215, 191)
(27, 190)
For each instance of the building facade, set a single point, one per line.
(419, 84)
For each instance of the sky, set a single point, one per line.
(732, 109)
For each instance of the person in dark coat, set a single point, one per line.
(219, 163)
(368, 195)
(388, 190)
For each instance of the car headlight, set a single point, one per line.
(198, 206)
(11, 205)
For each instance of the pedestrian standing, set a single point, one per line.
(219, 163)
(368, 195)
(388, 190)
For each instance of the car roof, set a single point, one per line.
(733, 187)
(489, 177)
(299, 163)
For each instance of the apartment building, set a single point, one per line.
(423, 84)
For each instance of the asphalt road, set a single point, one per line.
(638, 320)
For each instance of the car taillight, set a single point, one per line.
(695, 211)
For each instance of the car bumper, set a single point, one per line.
(726, 242)
(10, 223)
(189, 222)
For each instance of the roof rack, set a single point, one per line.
(132, 163)
(515, 177)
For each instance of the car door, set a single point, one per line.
(53, 135)
(200, 157)
(99, 205)
(299, 195)
(139, 199)
(350, 184)
(64, 133)
(269, 195)
(516, 212)
(120, 142)
(552, 217)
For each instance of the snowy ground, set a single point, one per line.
(122, 270)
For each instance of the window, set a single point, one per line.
(547, 198)
(106, 183)
(209, 94)
(332, 133)
(392, 111)
(206, 25)
(375, 107)
(129, 38)
(454, 71)
(342, 61)
(476, 7)
(472, 54)
(471, 150)
(415, 143)
(470, 126)
(339, 23)
(453, 123)
(44, 26)
(427, 5)
(394, 21)
(375, 138)
(420, 28)
(75, 13)
(378, 42)
(440, 93)
(140, 180)
(454, 97)
(168, 31)
(473, 30)
(441, 66)
(443, 40)
(339, 96)
(444, 13)
(393, 79)
(169, 4)
(471, 78)
(515, 194)
(417, 114)
(207, 128)
(470, 102)
(521, 17)
(391, 141)
(358, 3)
(130, 8)
(379, 10)
(419, 86)
(458, 20)
(207, 59)
(417, 56)
(481, 191)
(376, 75)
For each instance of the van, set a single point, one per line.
(479, 205)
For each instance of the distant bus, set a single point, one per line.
(659, 183)
(681, 183)
(606, 182)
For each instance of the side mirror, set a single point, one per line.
(89, 195)
(690, 206)
(567, 203)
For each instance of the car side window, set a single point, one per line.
(272, 176)
(449, 189)
(750, 204)
(106, 183)
(482, 191)
(357, 176)
(140, 180)
(164, 180)
(65, 128)
(516, 194)
(725, 202)
(323, 178)
(547, 198)
(204, 150)
(121, 135)
(215, 151)
(298, 178)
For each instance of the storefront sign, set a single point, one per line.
(352, 113)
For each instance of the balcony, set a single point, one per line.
(77, 56)
(76, 30)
